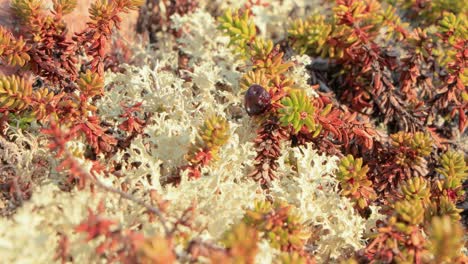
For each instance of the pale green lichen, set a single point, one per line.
(315, 193)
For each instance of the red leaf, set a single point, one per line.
(461, 119)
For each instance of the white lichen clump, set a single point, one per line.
(223, 193)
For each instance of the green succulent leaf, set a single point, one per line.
(298, 111)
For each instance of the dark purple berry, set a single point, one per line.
(38, 83)
(256, 100)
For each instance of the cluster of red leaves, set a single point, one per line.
(58, 143)
(385, 247)
(412, 75)
(422, 90)
(211, 136)
(95, 135)
(55, 59)
(349, 129)
(199, 160)
(268, 148)
(94, 40)
(388, 172)
(118, 244)
(132, 123)
(368, 64)
(129, 246)
(450, 93)
(342, 131)
(52, 53)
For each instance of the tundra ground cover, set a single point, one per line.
(235, 132)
